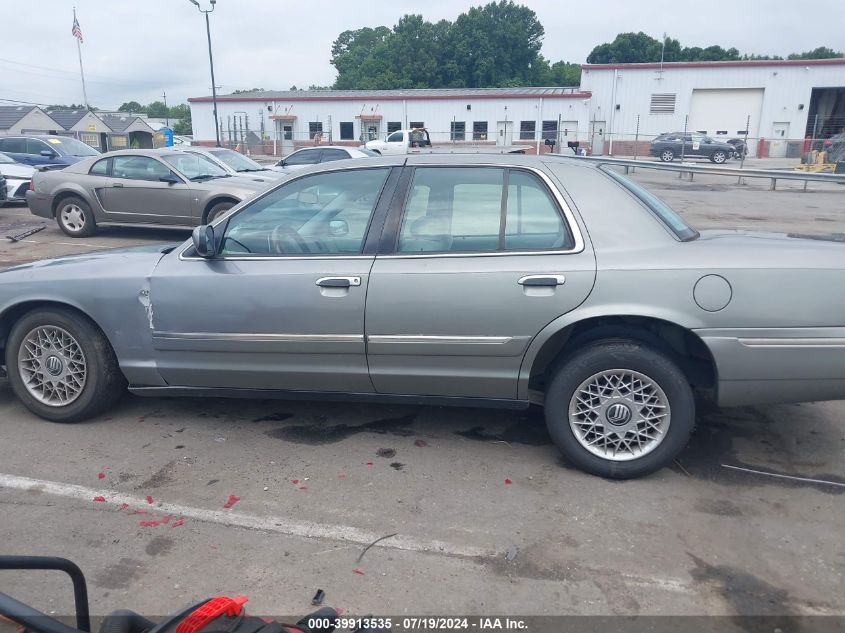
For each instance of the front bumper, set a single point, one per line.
(16, 189)
(39, 204)
(766, 366)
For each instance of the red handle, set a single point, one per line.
(211, 610)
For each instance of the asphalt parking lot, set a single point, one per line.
(486, 517)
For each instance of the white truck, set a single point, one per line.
(416, 141)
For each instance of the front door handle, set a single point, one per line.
(338, 282)
(542, 280)
(117, 185)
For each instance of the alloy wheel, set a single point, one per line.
(73, 217)
(52, 365)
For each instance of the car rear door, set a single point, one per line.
(135, 193)
(474, 262)
(282, 306)
(16, 149)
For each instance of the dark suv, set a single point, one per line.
(45, 150)
(671, 145)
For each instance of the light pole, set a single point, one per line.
(210, 63)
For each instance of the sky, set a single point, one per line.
(136, 50)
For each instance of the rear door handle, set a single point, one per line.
(338, 282)
(117, 185)
(542, 280)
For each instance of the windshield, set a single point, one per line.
(72, 146)
(194, 166)
(664, 212)
(236, 160)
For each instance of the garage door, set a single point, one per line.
(722, 113)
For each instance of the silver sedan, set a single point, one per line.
(446, 279)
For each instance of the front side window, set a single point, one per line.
(321, 214)
(138, 168)
(35, 146)
(470, 210)
(304, 157)
(194, 166)
(396, 137)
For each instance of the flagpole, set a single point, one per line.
(81, 71)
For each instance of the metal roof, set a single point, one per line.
(732, 63)
(118, 123)
(67, 118)
(415, 93)
(9, 115)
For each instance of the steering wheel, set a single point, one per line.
(284, 231)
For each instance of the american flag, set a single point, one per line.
(76, 31)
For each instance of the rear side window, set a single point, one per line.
(100, 168)
(478, 210)
(13, 145)
(304, 157)
(333, 154)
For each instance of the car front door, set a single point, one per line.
(281, 306)
(477, 263)
(395, 143)
(136, 192)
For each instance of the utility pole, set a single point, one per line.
(210, 63)
(166, 111)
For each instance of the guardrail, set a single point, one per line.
(688, 168)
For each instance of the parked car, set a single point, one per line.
(320, 154)
(446, 279)
(401, 142)
(234, 163)
(668, 147)
(164, 187)
(182, 140)
(17, 177)
(46, 150)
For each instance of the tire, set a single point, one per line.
(217, 210)
(75, 217)
(98, 380)
(719, 157)
(568, 417)
(667, 155)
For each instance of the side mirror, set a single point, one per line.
(47, 153)
(281, 163)
(204, 240)
(169, 179)
(338, 228)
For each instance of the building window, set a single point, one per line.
(550, 130)
(118, 141)
(417, 125)
(527, 130)
(315, 128)
(662, 103)
(393, 126)
(347, 132)
(459, 131)
(90, 139)
(479, 130)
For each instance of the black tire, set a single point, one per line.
(67, 222)
(104, 382)
(217, 210)
(719, 157)
(625, 355)
(667, 155)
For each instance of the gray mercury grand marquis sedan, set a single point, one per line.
(138, 186)
(446, 279)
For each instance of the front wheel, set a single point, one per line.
(217, 210)
(719, 157)
(75, 217)
(619, 409)
(61, 366)
(667, 155)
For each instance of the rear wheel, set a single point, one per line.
(619, 409)
(61, 366)
(667, 155)
(719, 157)
(75, 217)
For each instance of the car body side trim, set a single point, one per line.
(460, 340)
(793, 342)
(252, 337)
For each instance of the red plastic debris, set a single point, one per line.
(232, 500)
(370, 464)
(211, 610)
(357, 571)
(303, 487)
(101, 475)
(149, 500)
(100, 499)
(178, 523)
(508, 481)
(123, 506)
(294, 481)
(139, 511)
(149, 523)
(166, 519)
(420, 443)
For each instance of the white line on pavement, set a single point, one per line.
(304, 529)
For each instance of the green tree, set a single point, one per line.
(350, 50)
(131, 106)
(627, 48)
(822, 52)
(156, 109)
